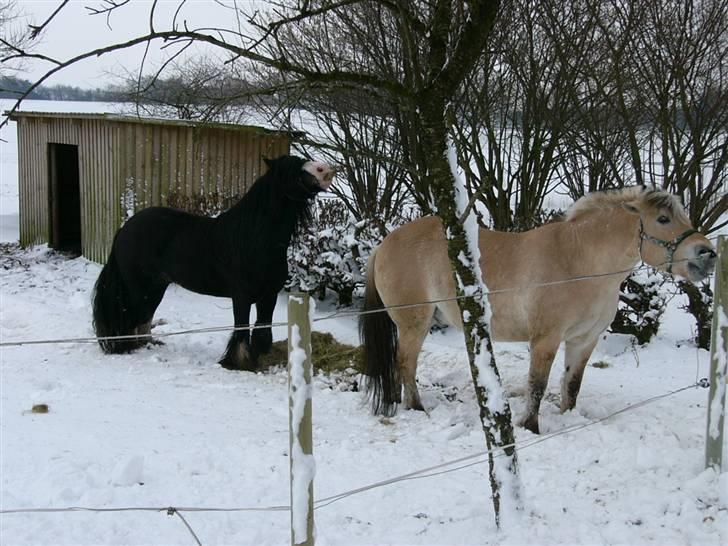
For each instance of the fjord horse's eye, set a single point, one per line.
(662, 219)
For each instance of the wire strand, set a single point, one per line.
(490, 292)
(189, 528)
(435, 470)
(499, 452)
(81, 340)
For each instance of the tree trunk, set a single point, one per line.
(495, 412)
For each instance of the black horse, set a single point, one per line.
(241, 254)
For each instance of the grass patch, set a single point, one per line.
(601, 364)
(329, 355)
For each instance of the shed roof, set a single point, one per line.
(149, 121)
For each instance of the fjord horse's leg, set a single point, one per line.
(262, 338)
(237, 354)
(576, 357)
(543, 351)
(413, 325)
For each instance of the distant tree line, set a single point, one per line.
(11, 87)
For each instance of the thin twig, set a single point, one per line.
(35, 30)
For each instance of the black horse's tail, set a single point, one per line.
(113, 310)
(379, 339)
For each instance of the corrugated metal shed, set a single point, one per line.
(118, 165)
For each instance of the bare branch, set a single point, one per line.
(37, 29)
(333, 77)
(22, 54)
(108, 8)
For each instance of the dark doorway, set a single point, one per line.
(65, 198)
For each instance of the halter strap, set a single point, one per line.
(670, 246)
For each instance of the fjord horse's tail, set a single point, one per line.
(379, 340)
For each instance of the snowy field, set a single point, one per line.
(168, 426)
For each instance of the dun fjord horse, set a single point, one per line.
(241, 254)
(603, 232)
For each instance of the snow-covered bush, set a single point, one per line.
(700, 305)
(332, 254)
(641, 304)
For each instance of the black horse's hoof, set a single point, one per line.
(237, 357)
(246, 365)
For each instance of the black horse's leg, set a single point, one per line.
(144, 294)
(263, 337)
(237, 354)
(150, 301)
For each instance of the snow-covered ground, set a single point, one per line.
(167, 426)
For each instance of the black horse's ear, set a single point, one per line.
(267, 161)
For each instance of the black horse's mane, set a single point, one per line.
(277, 204)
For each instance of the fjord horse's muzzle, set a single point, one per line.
(704, 262)
(699, 267)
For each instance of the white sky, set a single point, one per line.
(75, 31)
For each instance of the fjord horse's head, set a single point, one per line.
(668, 240)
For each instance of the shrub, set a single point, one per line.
(332, 254)
(641, 305)
(700, 303)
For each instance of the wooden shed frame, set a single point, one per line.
(125, 164)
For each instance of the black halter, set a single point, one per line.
(670, 246)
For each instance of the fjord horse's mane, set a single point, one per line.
(610, 199)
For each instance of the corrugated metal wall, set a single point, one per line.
(125, 166)
(96, 139)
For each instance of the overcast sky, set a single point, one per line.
(76, 31)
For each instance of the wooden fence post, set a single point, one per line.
(718, 361)
(302, 464)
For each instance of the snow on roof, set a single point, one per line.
(108, 116)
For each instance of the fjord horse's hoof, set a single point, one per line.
(417, 406)
(531, 423)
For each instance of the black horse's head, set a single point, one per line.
(300, 179)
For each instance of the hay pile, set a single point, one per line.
(329, 356)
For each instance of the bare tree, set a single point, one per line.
(652, 107)
(14, 39)
(370, 134)
(681, 57)
(441, 43)
(527, 94)
(435, 46)
(198, 89)
(654, 101)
